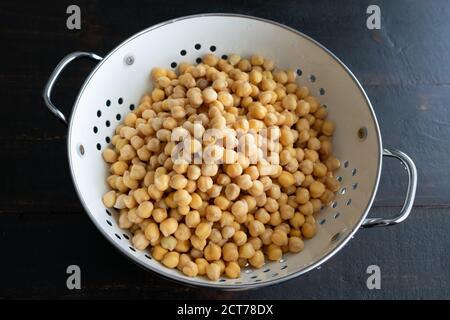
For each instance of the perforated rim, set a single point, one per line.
(211, 284)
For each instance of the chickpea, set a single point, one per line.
(201, 265)
(119, 167)
(316, 189)
(262, 215)
(332, 184)
(168, 226)
(308, 230)
(289, 102)
(274, 252)
(182, 198)
(196, 202)
(306, 166)
(130, 119)
(327, 197)
(215, 236)
(210, 59)
(319, 170)
(328, 128)
(190, 269)
(257, 60)
(287, 212)
(243, 88)
(306, 209)
(268, 64)
(297, 220)
(212, 252)
(197, 242)
(141, 195)
(204, 183)
(209, 95)
(223, 179)
(268, 84)
(171, 259)
(183, 210)
(178, 182)
(308, 180)
(158, 252)
(109, 199)
(233, 170)
(193, 172)
(279, 238)
(203, 230)
(257, 260)
(232, 191)
(184, 259)
(139, 241)
(228, 232)
(158, 72)
(159, 214)
(255, 76)
(230, 252)
(257, 188)
(213, 213)
(152, 232)
(175, 213)
(266, 236)
(314, 144)
(296, 244)
(256, 243)
(192, 219)
(256, 228)
(246, 251)
(317, 205)
(213, 271)
(332, 163)
(145, 209)
(239, 208)
(275, 218)
(286, 179)
(240, 238)
(109, 155)
(233, 270)
(169, 243)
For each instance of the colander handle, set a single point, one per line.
(410, 192)
(54, 76)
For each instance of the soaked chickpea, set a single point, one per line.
(232, 270)
(296, 244)
(246, 251)
(223, 163)
(171, 259)
(201, 265)
(213, 271)
(274, 252)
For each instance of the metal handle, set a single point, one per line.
(54, 76)
(410, 193)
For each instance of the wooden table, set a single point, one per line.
(404, 68)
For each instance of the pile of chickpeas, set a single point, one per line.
(234, 198)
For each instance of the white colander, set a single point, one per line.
(119, 80)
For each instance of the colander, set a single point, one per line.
(117, 83)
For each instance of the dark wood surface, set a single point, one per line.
(404, 67)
